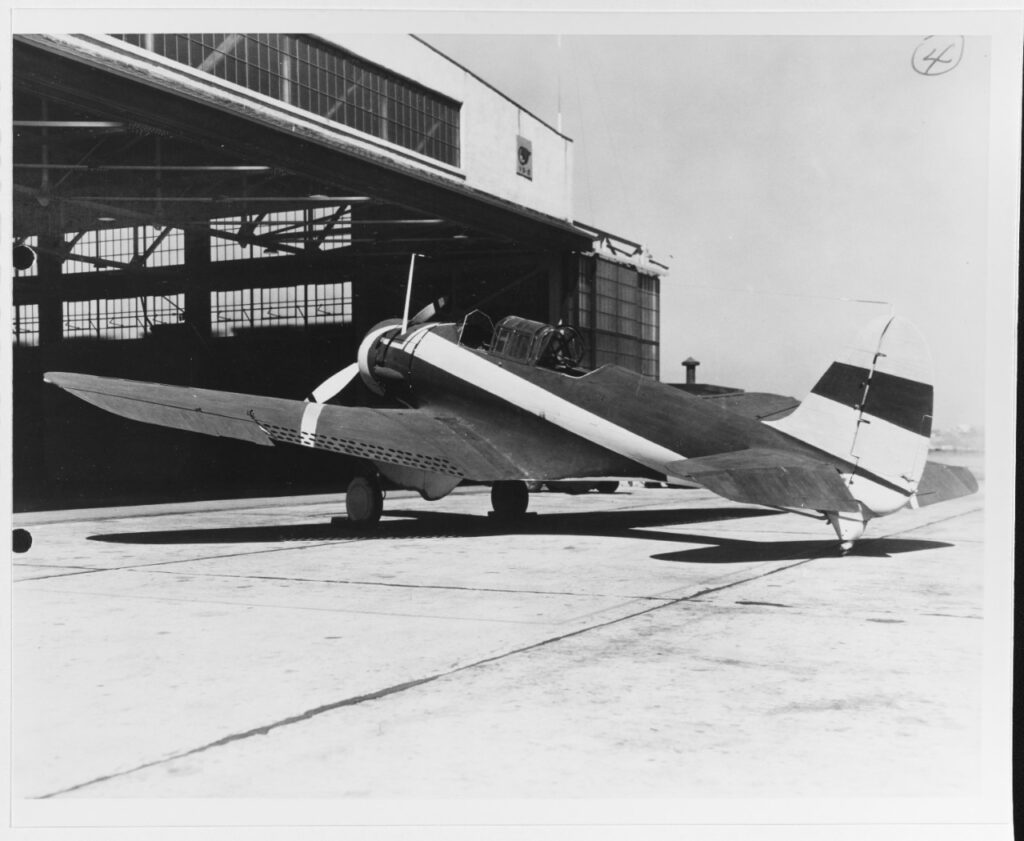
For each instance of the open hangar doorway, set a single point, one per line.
(161, 236)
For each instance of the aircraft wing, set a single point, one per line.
(405, 437)
(769, 477)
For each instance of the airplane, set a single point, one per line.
(508, 405)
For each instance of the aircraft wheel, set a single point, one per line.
(364, 502)
(510, 499)
(607, 487)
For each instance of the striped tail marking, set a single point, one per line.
(873, 410)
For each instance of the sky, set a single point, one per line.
(777, 176)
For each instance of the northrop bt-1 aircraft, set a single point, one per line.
(509, 406)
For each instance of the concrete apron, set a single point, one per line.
(653, 643)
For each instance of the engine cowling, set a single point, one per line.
(369, 355)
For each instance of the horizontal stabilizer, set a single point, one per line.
(941, 482)
(769, 477)
(755, 404)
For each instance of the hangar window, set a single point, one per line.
(321, 78)
(585, 301)
(121, 318)
(283, 306)
(329, 303)
(116, 248)
(617, 309)
(649, 308)
(26, 325)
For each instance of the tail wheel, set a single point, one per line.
(510, 499)
(364, 502)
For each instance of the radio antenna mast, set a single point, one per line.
(408, 293)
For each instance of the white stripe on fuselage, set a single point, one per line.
(492, 378)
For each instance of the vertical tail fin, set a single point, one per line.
(873, 410)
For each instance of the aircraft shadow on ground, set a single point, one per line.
(640, 525)
(409, 524)
(730, 550)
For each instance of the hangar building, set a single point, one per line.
(234, 211)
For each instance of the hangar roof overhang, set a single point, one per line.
(102, 138)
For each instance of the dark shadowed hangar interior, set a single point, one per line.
(236, 211)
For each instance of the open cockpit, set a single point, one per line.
(556, 347)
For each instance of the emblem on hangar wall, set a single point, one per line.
(524, 157)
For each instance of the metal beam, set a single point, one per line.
(319, 201)
(88, 124)
(147, 167)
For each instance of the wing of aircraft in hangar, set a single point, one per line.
(516, 409)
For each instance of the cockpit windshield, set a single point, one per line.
(520, 339)
(476, 330)
(536, 343)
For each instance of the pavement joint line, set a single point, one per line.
(50, 566)
(919, 526)
(853, 616)
(245, 604)
(412, 684)
(357, 583)
(290, 547)
(59, 575)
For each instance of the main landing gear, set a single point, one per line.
(509, 499)
(364, 502)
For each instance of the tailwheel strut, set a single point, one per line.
(848, 527)
(364, 502)
(510, 499)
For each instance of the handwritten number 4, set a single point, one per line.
(937, 59)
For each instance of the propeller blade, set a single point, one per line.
(428, 312)
(334, 384)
